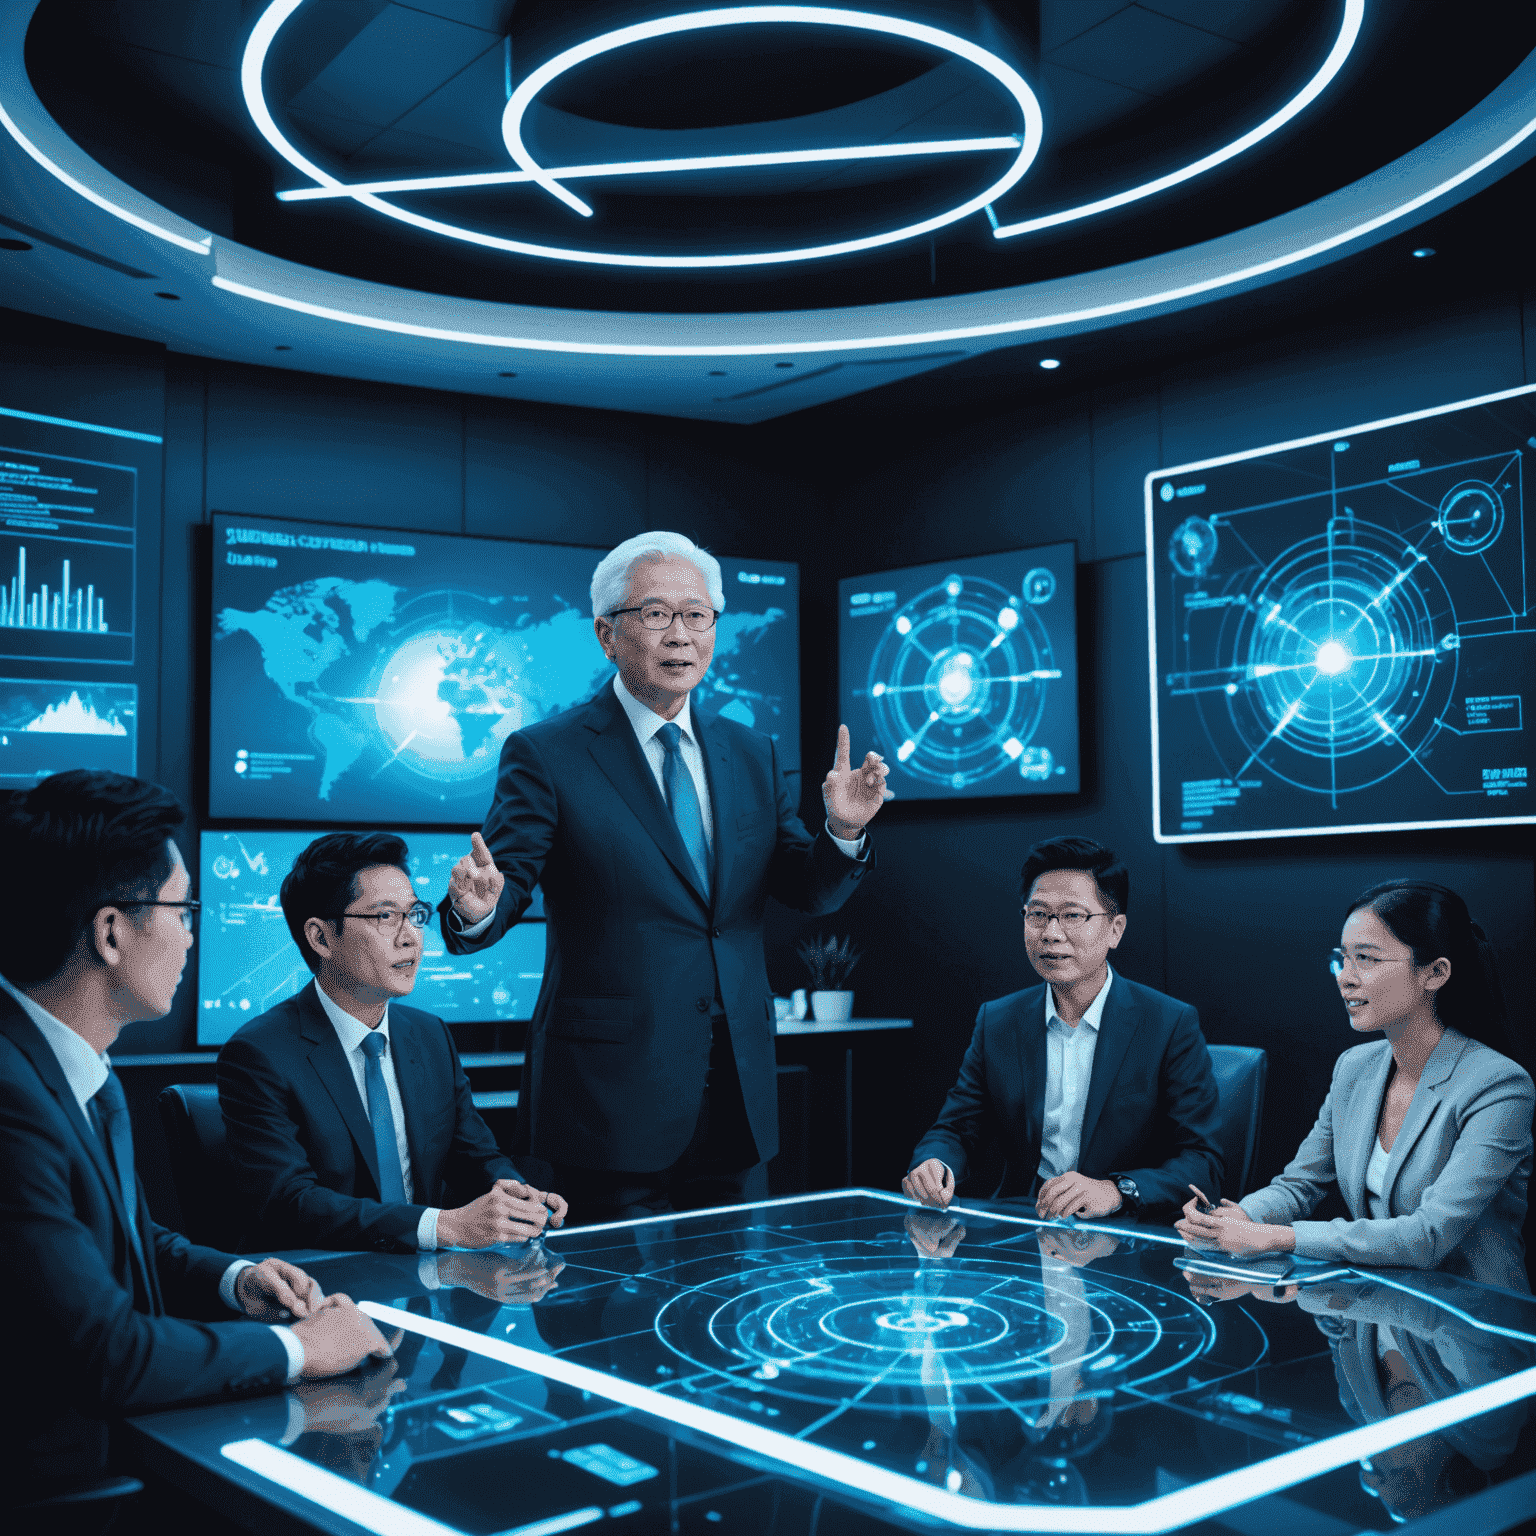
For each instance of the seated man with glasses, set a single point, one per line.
(1097, 1091)
(350, 1119)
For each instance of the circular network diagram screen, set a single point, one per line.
(1342, 629)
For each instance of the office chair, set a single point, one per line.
(200, 1166)
(88, 1509)
(1241, 1071)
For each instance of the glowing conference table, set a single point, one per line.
(844, 1362)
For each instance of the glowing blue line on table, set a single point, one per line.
(1349, 32)
(660, 167)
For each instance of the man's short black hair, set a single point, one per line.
(323, 880)
(1109, 874)
(69, 846)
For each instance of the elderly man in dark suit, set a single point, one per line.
(350, 1120)
(658, 837)
(1098, 1091)
(112, 1313)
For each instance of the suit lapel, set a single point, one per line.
(31, 1041)
(1355, 1131)
(329, 1063)
(1117, 1027)
(405, 1047)
(715, 747)
(1426, 1099)
(617, 752)
(1032, 1063)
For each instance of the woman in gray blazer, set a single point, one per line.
(1426, 1129)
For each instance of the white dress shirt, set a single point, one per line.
(352, 1032)
(1069, 1052)
(86, 1072)
(646, 723)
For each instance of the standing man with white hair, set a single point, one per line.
(658, 837)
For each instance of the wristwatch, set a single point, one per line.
(1130, 1194)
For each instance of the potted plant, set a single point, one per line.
(830, 962)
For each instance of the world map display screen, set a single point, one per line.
(1342, 630)
(365, 675)
(963, 674)
(247, 961)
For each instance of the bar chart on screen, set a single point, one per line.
(66, 558)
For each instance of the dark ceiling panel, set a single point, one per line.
(1145, 52)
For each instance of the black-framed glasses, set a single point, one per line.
(418, 915)
(188, 909)
(1072, 920)
(1363, 964)
(658, 616)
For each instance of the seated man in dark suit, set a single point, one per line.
(349, 1117)
(110, 1313)
(1098, 1091)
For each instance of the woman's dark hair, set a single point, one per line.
(1433, 921)
(1109, 874)
(323, 880)
(75, 843)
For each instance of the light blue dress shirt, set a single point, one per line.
(1069, 1052)
(85, 1072)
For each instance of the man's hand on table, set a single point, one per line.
(1076, 1247)
(933, 1234)
(351, 1404)
(930, 1183)
(510, 1280)
(337, 1337)
(1075, 1194)
(275, 1291)
(509, 1212)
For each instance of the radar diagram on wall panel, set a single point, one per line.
(1342, 630)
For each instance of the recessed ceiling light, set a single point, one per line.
(15, 245)
(1050, 362)
(717, 373)
(506, 375)
(167, 295)
(1423, 251)
(783, 365)
(282, 347)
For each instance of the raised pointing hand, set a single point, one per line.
(853, 795)
(475, 885)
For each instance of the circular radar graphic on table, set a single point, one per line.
(827, 1321)
(1338, 661)
(958, 682)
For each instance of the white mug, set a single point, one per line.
(799, 1005)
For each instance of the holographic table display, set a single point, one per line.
(963, 674)
(1342, 630)
(372, 675)
(247, 961)
(970, 1370)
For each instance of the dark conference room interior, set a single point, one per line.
(1116, 416)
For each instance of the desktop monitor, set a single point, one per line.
(1341, 628)
(963, 674)
(247, 961)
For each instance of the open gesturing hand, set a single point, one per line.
(475, 885)
(853, 795)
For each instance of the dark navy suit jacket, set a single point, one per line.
(636, 953)
(1152, 1106)
(300, 1140)
(93, 1333)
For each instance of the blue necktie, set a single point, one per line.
(382, 1119)
(112, 1109)
(683, 798)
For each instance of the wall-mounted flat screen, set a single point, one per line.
(363, 675)
(963, 674)
(1341, 629)
(48, 727)
(247, 962)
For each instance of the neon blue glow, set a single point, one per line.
(272, 19)
(1349, 32)
(81, 426)
(1050, 362)
(1165, 1513)
(659, 167)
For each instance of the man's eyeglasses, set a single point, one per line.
(1363, 964)
(1072, 920)
(655, 616)
(418, 915)
(188, 909)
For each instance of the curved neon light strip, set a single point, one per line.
(272, 19)
(1343, 46)
(54, 169)
(1061, 319)
(660, 167)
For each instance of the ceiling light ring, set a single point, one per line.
(264, 34)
